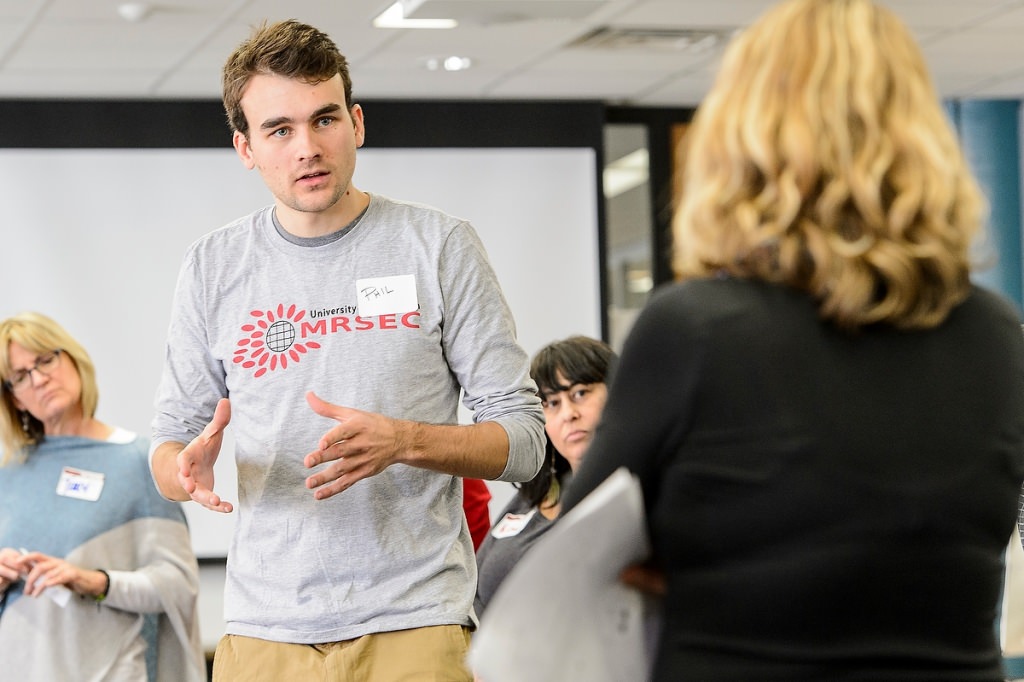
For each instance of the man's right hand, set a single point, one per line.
(194, 462)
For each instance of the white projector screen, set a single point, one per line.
(94, 238)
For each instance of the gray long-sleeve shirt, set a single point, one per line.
(263, 320)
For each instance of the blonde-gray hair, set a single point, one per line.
(37, 333)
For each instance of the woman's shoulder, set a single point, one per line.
(992, 303)
(128, 444)
(700, 292)
(123, 453)
(990, 318)
(120, 436)
(130, 454)
(696, 308)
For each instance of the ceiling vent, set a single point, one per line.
(648, 39)
(499, 11)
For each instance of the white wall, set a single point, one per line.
(94, 239)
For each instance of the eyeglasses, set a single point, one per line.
(45, 364)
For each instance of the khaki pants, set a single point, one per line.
(431, 654)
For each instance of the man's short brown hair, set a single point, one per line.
(286, 48)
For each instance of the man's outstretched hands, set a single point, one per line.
(363, 444)
(196, 460)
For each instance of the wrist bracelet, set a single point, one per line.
(103, 595)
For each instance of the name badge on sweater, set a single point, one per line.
(511, 525)
(80, 484)
(386, 295)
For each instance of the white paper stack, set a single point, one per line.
(562, 614)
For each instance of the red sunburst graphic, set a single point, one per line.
(271, 340)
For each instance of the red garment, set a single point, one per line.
(476, 498)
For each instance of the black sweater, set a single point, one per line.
(824, 505)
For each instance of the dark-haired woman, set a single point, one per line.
(571, 377)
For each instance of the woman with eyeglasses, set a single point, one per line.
(98, 580)
(572, 377)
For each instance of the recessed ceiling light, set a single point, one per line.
(134, 11)
(452, 63)
(394, 17)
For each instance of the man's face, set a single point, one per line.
(302, 139)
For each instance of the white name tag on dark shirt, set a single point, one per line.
(511, 525)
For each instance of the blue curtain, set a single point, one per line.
(989, 131)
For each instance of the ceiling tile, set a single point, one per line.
(82, 48)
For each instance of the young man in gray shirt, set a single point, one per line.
(335, 330)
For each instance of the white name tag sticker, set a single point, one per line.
(386, 295)
(80, 484)
(511, 525)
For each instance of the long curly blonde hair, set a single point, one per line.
(822, 160)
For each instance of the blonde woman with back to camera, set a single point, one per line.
(825, 415)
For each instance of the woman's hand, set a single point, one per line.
(645, 578)
(10, 567)
(46, 571)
